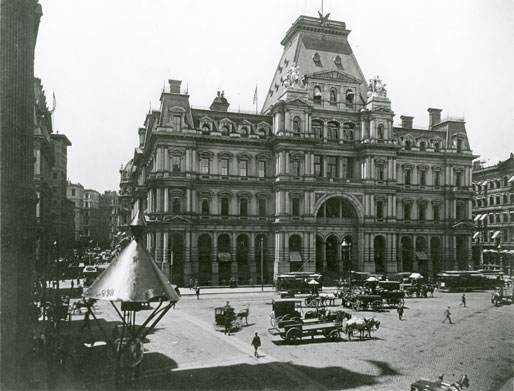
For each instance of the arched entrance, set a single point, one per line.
(332, 256)
(243, 269)
(406, 246)
(176, 257)
(319, 254)
(295, 253)
(421, 256)
(336, 210)
(261, 245)
(379, 247)
(224, 259)
(204, 260)
(435, 254)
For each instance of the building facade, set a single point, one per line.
(493, 215)
(321, 180)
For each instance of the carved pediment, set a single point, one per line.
(175, 219)
(334, 75)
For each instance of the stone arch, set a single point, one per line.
(349, 198)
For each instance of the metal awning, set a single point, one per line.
(496, 234)
(475, 235)
(421, 255)
(477, 217)
(295, 256)
(484, 216)
(224, 257)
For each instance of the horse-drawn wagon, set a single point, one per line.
(360, 301)
(224, 316)
(502, 295)
(295, 330)
(284, 311)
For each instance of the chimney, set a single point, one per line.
(406, 121)
(434, 117)
(174, 86)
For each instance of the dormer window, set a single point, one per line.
(225, 130)
(349, 97)
(177, 122)
(206, 128)
(297, 125)
(408, 145)
(459, 145)
(316, 58)
(422, 146)
(337, 60)
(262, 133)
(333, 96)
(317, 95)
(437, 147)
(244, 131)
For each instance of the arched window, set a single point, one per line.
(422, 146)
(333, 96)
(437, 147)
(317, 129)
(408, 145)
(333, 131)
(349, 97)
(244, 131)
(262, 133)
(206, 128)
(349, 129)
(380, 132)
(297, 125)
(205, 207)
(176, 205)
(317, 95)
(225, 130)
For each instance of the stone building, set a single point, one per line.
(493, 215)
(75, 194)
(19, 23)
(320, 180)
(109, 216)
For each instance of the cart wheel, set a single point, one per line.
(377, 305)
(334, 335)
(293, 335)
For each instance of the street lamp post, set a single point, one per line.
(348, 247)
(262, 264)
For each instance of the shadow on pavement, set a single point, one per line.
(264, 377)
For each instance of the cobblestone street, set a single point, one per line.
(186, 351)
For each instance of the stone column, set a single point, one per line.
(252, 261)
(287, 124)
(166, 160)
(325, 131)
(187, 256)
(159, 200)
(233, 263)
(214, 260)
(166, 199)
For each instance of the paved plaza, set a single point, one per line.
(185, 351)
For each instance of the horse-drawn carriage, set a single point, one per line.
(225, 316)
(298, 328)
(284, 311)
(362, 301)
(502, 295)
(418, 290)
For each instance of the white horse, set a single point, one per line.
(330, 297)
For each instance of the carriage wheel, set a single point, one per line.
(293, 335)
(377, 305)
(308, 303)
(334, 335)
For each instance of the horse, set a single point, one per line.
(370, 323)
(243, 314)
(337, 316)
(354, 324)
(318, 313)
(330, 297)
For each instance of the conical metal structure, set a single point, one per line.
(133, 276)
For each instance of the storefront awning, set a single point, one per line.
(496, 234)
(224, 257)
(421, 255)
(475, 235)
(483, 217)
(477, 217)
(295, 256)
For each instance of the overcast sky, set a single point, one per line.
(107, 61)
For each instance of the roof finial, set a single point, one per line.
(323, 18)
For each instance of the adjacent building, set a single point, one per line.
(493, 215)
(321, 180)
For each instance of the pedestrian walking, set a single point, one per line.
(400, 311)
(256, 342)
(463, 300)
(447, 316)
(197, 291)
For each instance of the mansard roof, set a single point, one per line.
(311, 38)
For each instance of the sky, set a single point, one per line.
(108, 61)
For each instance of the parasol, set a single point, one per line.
(416, 276)
(371, 279)
(313, 282)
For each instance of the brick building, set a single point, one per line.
(493, 214)
(321, 167)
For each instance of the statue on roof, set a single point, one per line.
(377, 88)
(293, 77)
